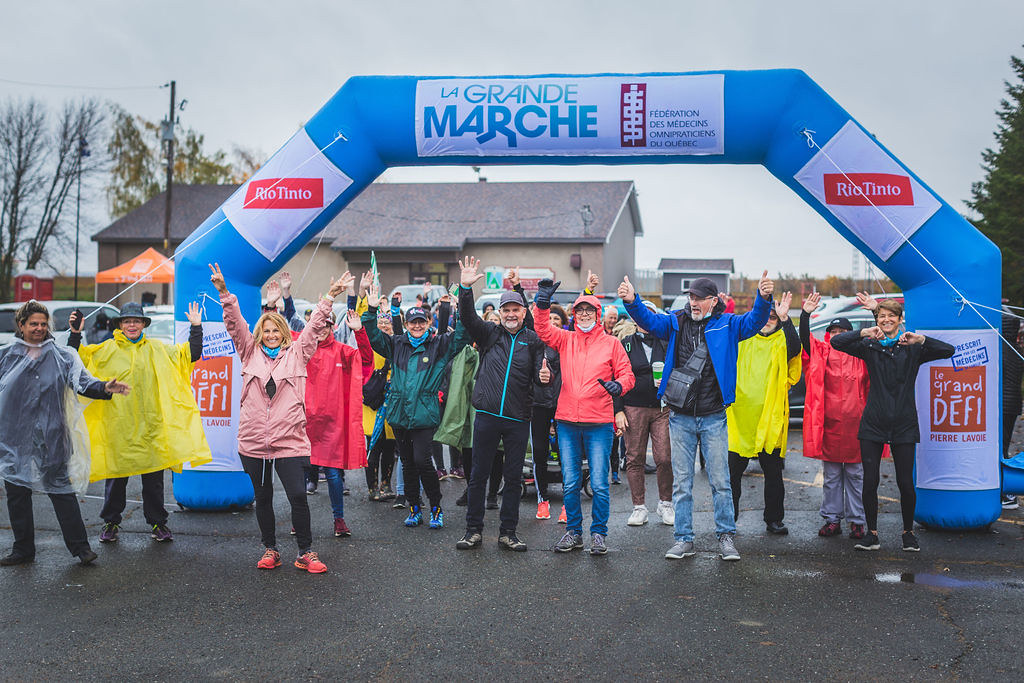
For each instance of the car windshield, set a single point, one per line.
(162, 328)
(7, 322)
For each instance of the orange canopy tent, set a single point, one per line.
(149, 266)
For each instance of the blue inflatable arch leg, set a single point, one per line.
(779, 118)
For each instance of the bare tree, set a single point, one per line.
(40, 163)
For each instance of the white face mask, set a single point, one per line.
(586, 328)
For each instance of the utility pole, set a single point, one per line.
(168, 137)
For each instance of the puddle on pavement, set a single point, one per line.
(944, 581)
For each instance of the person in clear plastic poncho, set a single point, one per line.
(43, 441)
(158, 428)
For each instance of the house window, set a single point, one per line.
(686, 285)
(434, 273)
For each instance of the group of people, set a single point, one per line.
(384, 388)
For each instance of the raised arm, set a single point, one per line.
(754, 319)
(235, 324)
(658, 324)
(320, 319)
(810, 304)
(379, 342)
(195, 331)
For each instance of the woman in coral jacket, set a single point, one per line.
(837, 388)
(334, 413)
(595, 369)
(272, 418)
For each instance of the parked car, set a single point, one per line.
(60, 311)
(841, 305)
(859, 318)
(410, 292)
(162, 327)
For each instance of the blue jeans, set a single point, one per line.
(336, 490)
(595, 443)
(399, 476)
(712, 433)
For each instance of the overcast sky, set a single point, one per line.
(924, 77)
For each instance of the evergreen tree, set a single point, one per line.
(999, 198)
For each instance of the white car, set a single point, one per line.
(162, 327)
(60, 311)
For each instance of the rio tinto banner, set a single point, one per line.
(584, 116)
(958, 412)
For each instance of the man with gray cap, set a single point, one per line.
(511, 357)
(698, 383)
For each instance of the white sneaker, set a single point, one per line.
(638, 517)
(667, 513)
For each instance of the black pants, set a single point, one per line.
(903, 460)
(291, 472)
(381, 458)
(1008, 422)
(114, 499)
(772, 465)
(69, 516)
(616, 455)
(415, 450)
(488, 430)
(540, 435)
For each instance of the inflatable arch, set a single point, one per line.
(779, 118)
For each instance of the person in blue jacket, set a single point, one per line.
(698, 383)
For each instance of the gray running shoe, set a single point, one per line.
(728, 548)
(597, 545)
(680, 550)
(572, 540)
(472, 539)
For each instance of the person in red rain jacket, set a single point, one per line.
(837, 388)
(334, 413)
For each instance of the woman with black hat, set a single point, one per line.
(890, 413)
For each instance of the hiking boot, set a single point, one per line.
(373, 494)
(16, 558)
(777, 528)
(572, 540)
(638, 517)
(340, 528)
(310, 488)
(108, 534)
(857, 531)
(667, 513)
(543, 510)
(728, 548)
(509, 541)
(492, 503)
(463, 500)
(310, 561)
(869, 542)
(386, 493)
(271, 558)
(830, 529)
(597, 544)
(161, 534)
(562, 516)
(415, 517)
(1009, 502)
(400, 502)
(436, 517)
(910, 544)
(472, 539)
(87, 557)
(680, 550)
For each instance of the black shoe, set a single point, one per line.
(492, 503)
(649, 469)
(87, 557)
(910, 544)
(399, 502)
(472, 539)
(777, 528)
(310, 488)
(463, 500)
(1009, 502)
(509, 541)
(869, 542)
(16, 558)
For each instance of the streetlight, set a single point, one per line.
(83, 151)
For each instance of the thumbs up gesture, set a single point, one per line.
(766, 286)
(545, 372)
(626, 291)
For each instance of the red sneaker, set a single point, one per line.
(543, 510)
(857, 531)
(271, 558)
(830, 529)
(562, 519)
(310, 562)
(340, 528)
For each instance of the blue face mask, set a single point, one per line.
(271, 353)
(417, 341)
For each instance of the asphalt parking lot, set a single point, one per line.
(403, 604)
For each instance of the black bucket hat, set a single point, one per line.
(132, 310)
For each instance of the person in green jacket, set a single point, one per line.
(418, 360)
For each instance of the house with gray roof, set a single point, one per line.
(419, 231)
(678, 273)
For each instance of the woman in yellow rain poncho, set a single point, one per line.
(157, 427)
(767, 366)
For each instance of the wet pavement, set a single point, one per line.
(403, 604)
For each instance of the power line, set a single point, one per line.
(84, 87)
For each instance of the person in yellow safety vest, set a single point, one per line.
(157, 427)
(767, 366)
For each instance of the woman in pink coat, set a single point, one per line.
(272, 417)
